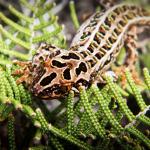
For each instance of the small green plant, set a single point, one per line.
(99, 118)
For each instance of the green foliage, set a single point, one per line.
(73, 15)
(40, 25)
(99, 118)
(11, 134)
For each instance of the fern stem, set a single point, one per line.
(15, 25)
(2, 83)
(107, 113)
(24, 95)
(139, 135)
(144, 119)
(47, 7)
(70, 112)
(5, 61)
(135, 90)
(14, 39)
(4, 109)
(59, 132)
(120, 100)
(70, 138)
(147, 77)
(56, 143)
(45, 24)
(9, 90)
(90, 112)
(20, 15)
(11, 133)
(46, 36)
(13, 84)
(27, 4)
(73, 14)
(14, 53)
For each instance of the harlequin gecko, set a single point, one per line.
(53, 72)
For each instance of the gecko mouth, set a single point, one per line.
(55, 91)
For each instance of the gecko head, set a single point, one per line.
(53, 72)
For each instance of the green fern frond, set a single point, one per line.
(105, 109)
(136, 91)
(70, 112)
(120, 100)
(90, 113)
(11, 133)
(29, 30)
(147, 77)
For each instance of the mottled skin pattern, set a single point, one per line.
(53, 71)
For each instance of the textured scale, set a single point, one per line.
(54, 71)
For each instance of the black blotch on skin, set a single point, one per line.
(74, 56)
(106, 47)
(82, 67)
(111, 40)
(39, 73)
(41, 59)
(125, 7)
(66, 74)
(92, 63)
(117, 11)
(103, 32)
(47, 80)
(90, 49)
(85, 34)
(47, 48)
(93, 22)
(122, 23)
(113, 16)
(97, 39)
(84, 54)
(71, 56)
(107, 22)
(58, 64)
(98, 55)
(116, 31)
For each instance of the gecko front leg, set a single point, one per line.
(25, 71)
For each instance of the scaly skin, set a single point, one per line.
(53, 71)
